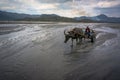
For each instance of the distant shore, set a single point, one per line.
(41, 22)
(36, 22)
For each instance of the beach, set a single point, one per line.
(38, 52)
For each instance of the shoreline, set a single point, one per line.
(42, 22)
(27, 22)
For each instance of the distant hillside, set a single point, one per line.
(100, 18)
(88, 21)
(9, 16)
(50, 17)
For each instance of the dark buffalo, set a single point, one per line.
(78, 34)
(74, 34)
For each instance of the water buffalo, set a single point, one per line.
(76, 33)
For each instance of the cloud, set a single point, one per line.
(37, 5)
(54, 1)
(110, 11)
(68, 8)
(95, 7)
(78, 12)
(25, 5)
(106, 4)
(108, 7)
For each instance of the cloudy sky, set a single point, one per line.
(67, 8)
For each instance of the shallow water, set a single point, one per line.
(38, 52)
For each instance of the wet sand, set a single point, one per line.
(38, 52)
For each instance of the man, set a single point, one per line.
(87, 31)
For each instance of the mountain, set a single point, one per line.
(100, 18)
(50, 17)
(104, 18)
(9, 16)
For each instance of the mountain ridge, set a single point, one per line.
(9, 16)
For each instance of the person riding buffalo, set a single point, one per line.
(87, 31)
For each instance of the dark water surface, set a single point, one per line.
(38, 52)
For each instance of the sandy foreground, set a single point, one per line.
(38, 52)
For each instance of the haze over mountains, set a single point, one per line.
(9, 16)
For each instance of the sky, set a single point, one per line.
(66, 8)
